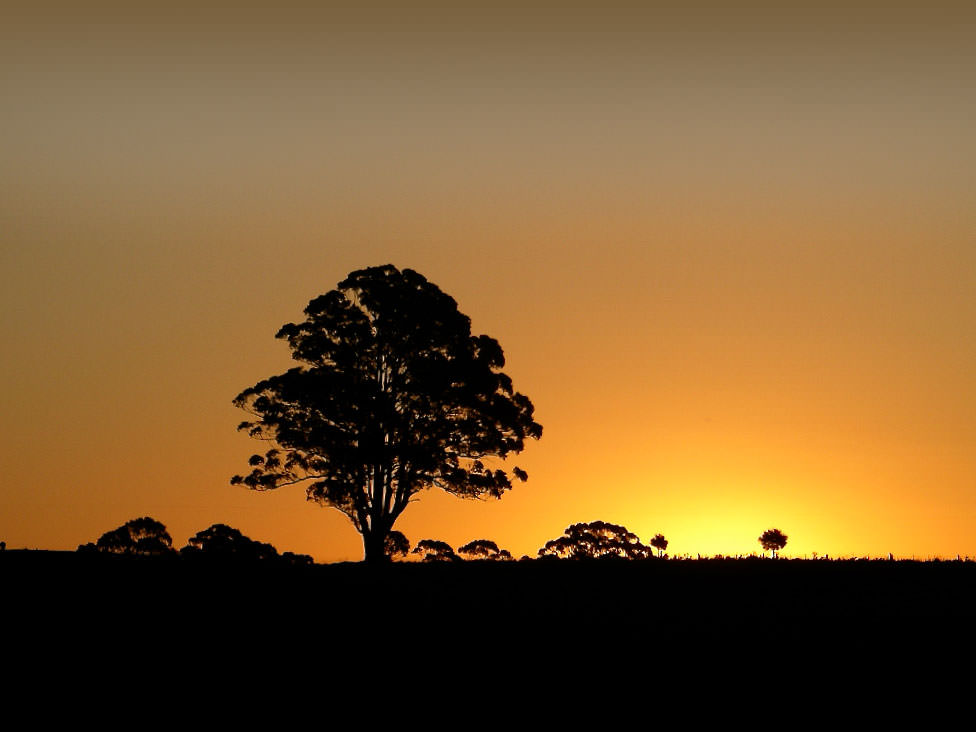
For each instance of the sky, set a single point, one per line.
(729, 251)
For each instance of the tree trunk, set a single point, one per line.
(374, 548)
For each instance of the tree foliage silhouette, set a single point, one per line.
(773, 540)
(435, 551)
(141, 536)
(659, 543)
(397, 545)
(484, 549)
(223, 541)
(596, 540)
(393, 395)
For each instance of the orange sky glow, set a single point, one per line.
(730, 256)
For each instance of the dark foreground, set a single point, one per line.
(549, 599)
(544, 619)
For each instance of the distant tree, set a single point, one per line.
(392, 395)
(397, 545)
(435, 551)
(484, 549)
(142, 536)
(659, 543)
(594, 540)
(773, 540)
(220, 541)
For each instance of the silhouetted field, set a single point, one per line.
(545, 598)
(469, 641)
(227, 626)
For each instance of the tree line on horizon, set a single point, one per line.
(146, 536)
(594, 540)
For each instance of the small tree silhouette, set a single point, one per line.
(484, 549)
(435, 551)
(143, 536)
(659, 543)
(773, 540)
(595, 540)
(221, 541)
(397, 545)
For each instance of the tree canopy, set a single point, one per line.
(484, 549)
(397, 544)
(140, 536)
(221, 540)
(392, 395)
(659, 543)
(596, 540)
(434, 550)
(772, 540)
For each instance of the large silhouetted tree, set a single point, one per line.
(773, 540)
(392, 395)
(594, 541)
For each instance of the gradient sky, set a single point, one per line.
(730, 254)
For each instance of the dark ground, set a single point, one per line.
(544, 598)
(497, 623)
